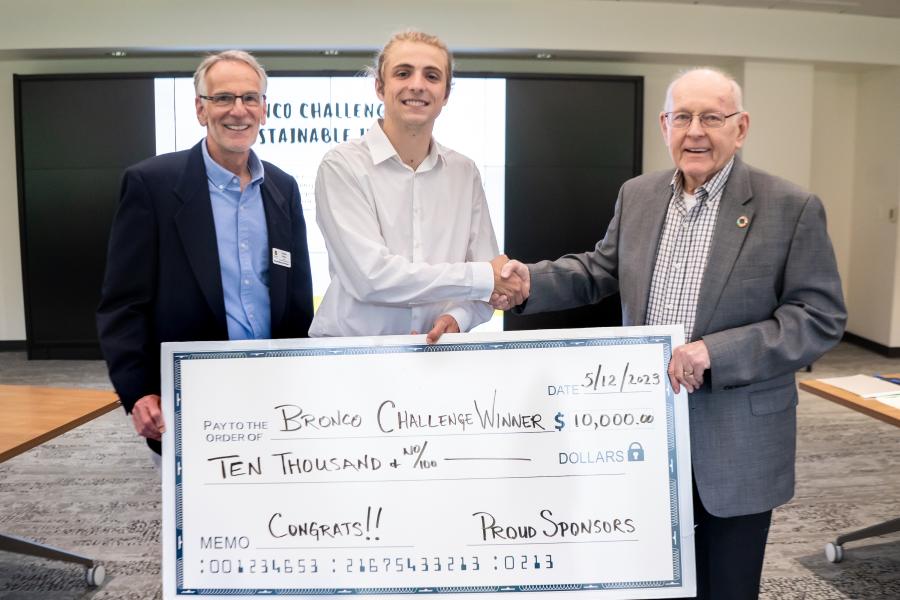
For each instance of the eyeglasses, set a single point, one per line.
(251, 99)
(711, 120)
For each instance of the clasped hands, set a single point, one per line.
(512, 283)
(511, 286)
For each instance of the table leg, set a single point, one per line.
(834, 551)
(94, 574)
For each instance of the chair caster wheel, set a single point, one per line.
(95, 575)
(834, 552)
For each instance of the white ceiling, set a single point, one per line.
(872, 8)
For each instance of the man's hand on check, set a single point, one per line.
(443, 324)
(512, 284)
(687, 366)
(147, 417)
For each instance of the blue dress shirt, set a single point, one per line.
(243, 243)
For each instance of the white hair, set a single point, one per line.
(736, 91)
(232, 55)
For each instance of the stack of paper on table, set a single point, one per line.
(868, 387)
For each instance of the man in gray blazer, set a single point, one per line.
(743, 260)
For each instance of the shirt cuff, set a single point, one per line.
(463, 317)
(482, 281)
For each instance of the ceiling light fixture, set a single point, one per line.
(118, 53)
(835, 3)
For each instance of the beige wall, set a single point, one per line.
(779, 97)
(489, 25)
(872, 278)
(12, 305)
(822, 89)
(833, 155)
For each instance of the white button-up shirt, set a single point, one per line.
(402, 242)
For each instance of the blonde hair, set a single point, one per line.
(232, 55)
(411, 35)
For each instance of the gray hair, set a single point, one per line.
(232, 55)
(736, 91)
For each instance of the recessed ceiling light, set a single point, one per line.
(118, 53)
(543, 55)
(331, 52)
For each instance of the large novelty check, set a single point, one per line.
(541, 461)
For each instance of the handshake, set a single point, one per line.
(512, 283)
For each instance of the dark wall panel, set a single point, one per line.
(67, 230)
(570, 145)
(83, 123)
(75, 137)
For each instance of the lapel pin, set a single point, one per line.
(743, 221)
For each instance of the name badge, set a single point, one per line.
(281, 257)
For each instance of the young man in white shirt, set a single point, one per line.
(410, 242)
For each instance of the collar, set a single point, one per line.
(381, 149)
(221, 177)
(709, 189)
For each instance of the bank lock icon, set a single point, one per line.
(635, 452)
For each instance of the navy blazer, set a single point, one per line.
(163, 282)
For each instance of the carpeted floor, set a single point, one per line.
(95, 491)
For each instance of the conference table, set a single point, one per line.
(834, 551)
(29, 416)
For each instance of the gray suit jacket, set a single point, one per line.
(770, 303)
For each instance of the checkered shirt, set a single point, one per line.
(682, 252)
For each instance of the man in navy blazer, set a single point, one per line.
(207, 244)
(743, 261)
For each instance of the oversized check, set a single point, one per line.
(555, 462)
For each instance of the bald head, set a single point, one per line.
(718, 82)
(703, 124)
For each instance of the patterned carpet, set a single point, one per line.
(95, 491)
